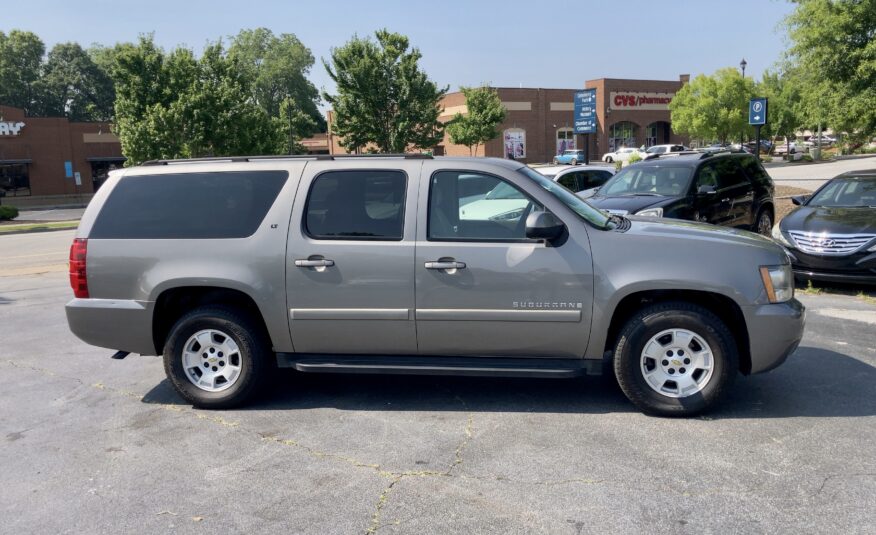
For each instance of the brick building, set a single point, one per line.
(33, 152)
(538, 123)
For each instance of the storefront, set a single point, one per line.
(538, 122)
(40, 158)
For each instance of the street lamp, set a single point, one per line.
(742, 64)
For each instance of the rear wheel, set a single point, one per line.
(764, 225)
(608, 159)
(556, 162)
(216, 357)
(675, 359)
(574, 161)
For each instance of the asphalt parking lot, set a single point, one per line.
(92, 445)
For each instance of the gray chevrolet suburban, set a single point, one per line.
(408, 264)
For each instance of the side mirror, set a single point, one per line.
(799, 199)
(544, 226)
(707, 190)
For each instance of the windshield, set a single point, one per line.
(852, 192)
(651, 180)
(574, 202)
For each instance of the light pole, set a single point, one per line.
(742, 65)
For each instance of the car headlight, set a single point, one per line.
(651, 212)
(779, 237)
(778, 281)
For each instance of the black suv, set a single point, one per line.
(729, 189)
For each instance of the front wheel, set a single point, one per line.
(764, 223)
(556, 162)
(675, 359)
(608, 159)
(216, 357)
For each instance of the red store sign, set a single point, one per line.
(621, 100)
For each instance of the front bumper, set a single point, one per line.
(774, 332)
(118, 324)
(858, 268)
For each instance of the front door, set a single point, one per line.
(350, 254)
(482, 288)
(710, 207)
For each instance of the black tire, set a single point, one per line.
(763, 228)
(574, 161)
(254, 353)
(608, 159)
(654, 319)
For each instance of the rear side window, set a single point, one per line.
(755, 170)
(356, 205)
(228, 204)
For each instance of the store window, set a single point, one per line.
(100, 172)
(515, 143)
(565, 140)
(15, 179)
(622, 134)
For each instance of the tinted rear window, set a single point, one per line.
(228, 204)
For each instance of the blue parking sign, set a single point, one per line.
(68, 169)
(757, 111)
(585, 111)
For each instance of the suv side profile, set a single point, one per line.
(728, 189)
(410, 264)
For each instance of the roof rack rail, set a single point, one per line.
(319, 157)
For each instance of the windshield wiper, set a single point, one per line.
(642, 194)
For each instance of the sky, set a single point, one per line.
(512, 43)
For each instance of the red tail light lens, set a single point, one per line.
(78, 280)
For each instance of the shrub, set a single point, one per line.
(634, 157)
(8, 212)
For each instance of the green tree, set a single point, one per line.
(177, 106)
(834, 49)
(73, 85)
(713, 107)
(784, 107)
(278, 67)
(383, 98)
(21, 55)
(485, 113)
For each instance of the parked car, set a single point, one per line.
(578, 178)
(725, 189)
(664, 149)
(831, 236)
(785, 148)
(622, 155)
(572, 157)
(765, 146)
(232, 267)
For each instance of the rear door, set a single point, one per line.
(483, 289)
(734, 185)
(350, 254)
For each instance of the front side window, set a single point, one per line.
(350, 205)
(493, 210)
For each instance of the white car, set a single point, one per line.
(622, 155)
(783, 148)
(582, 178)
(664, 149)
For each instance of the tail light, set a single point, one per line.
(78, 279)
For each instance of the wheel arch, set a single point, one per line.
(172, 303)
(722, 306)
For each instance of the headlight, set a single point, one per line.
(778, 281)
(779, 237)
(651, 212)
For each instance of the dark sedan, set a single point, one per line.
(832, 235)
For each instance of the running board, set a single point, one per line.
(426, 365)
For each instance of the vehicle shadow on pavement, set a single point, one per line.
(813, 382)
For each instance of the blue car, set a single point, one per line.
(570, 157)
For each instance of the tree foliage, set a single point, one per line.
(383, 97)
(73, 85)
(713, 107)
(278, 67)
(785, 109)
(178, 106)
(21, 56)
(485, 113)
(834, 48)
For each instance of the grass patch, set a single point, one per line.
(810, 289)
(37, 227)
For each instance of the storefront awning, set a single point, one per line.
(106, 159)
(15, 162)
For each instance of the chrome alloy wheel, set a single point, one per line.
(211, 360)
(765, 224)
(677, 363)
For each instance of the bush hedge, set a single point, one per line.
(8, 212)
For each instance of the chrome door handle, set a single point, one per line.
(445, 265)
(314, 263)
